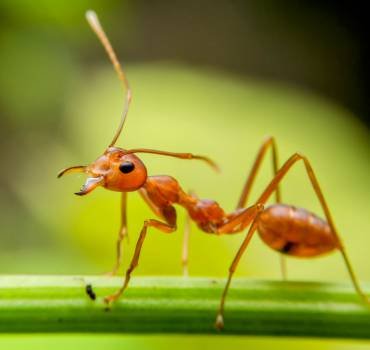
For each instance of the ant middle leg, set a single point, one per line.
(269, 142)
(185, 242)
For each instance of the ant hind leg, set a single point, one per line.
(315, 184)
(263, 198)
(269, 142)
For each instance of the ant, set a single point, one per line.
(289, 230)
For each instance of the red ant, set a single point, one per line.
(289, 230)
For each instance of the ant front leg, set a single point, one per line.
(269, 142)
(122, 233)
(187, 228)
(169, 214)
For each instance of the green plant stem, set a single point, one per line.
(182, 305)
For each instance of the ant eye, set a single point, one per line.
(126, 167)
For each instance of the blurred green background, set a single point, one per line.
(60, 103)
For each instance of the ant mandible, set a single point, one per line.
(289, 230)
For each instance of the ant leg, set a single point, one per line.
(169, 227)
(185, 246)
(228, 228)
(283, 268)
(121, 234)
(315, 184)
(156, 210)
(220, 318)
(269, 142)
(238, 221)
(271, 187)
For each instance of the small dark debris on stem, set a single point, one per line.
(90, 292)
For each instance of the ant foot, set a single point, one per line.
(366, 300)
(185, 272)
(108, 300)
(219, 324)
(111, 273)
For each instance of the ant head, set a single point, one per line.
(114, 170)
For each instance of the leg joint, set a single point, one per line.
(260, 207)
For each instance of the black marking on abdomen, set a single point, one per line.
(287, 247)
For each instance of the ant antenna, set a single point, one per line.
(95, 25)
(209, 161)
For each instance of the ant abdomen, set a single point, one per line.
(295, 231)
